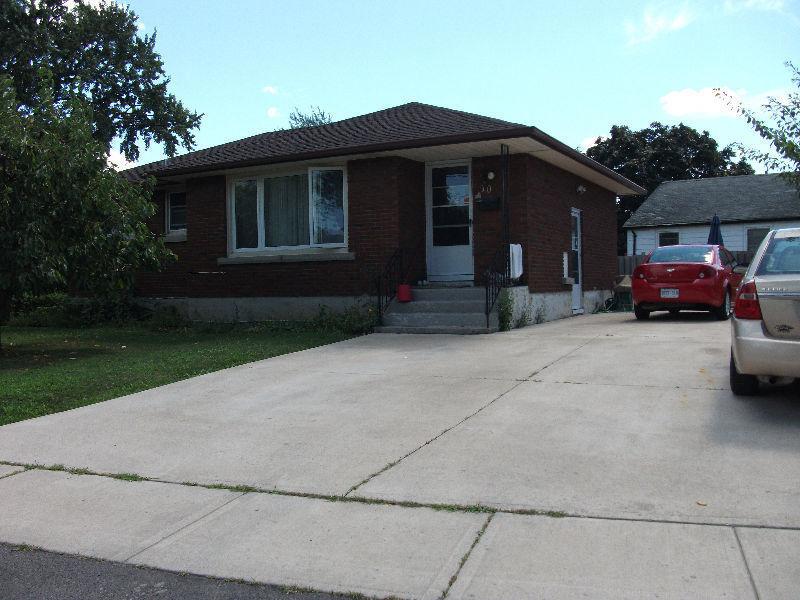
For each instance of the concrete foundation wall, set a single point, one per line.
(242, 310)
(529, 309)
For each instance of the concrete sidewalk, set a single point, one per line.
(594, 457)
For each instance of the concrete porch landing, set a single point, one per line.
(457, 309)
(591, 457)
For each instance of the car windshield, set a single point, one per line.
(682, 254)
(781, 257)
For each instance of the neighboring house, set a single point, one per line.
(680, 212)
(278, 224)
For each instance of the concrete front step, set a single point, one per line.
(438, 319)
(439, 306)
(436, 329)
(440, 310)
(448, 293)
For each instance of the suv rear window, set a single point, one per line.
(682, 254)
(782, 256)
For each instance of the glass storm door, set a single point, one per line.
(576, 261)
(449, 223)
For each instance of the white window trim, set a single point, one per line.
(273, 250)
(178, 235)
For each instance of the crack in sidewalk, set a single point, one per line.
(746, 564)
(466, 556)
(177, 531)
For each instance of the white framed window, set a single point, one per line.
(273, 213)
(668, 238)
(755, 235)
(175, 216)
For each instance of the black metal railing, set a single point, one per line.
(401, 267)
(497, 277)
(387, 281)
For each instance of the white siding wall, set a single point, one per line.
(734, 235)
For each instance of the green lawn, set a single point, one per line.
(45, 370)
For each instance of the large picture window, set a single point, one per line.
(305, 210)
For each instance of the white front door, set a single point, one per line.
(449, 207)
(576, 262)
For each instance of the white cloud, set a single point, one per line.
(588, 142)
(273, 112)
(702, 103)
(270, 89)
(740, 5)
(118, 161)
(705, 103)
(654, 22)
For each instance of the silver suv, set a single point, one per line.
(765, 340)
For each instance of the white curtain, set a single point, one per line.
(286, 211)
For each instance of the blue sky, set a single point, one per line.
(572, 68)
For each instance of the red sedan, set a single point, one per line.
(690, 277)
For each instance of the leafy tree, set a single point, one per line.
(67, 219)
(96, 51)
(782, 133)
(314, 116)
(661, 153)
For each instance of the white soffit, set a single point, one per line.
(520, 145)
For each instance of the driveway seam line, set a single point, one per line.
(433, 439)
(22, 470)
(746, 564)
(466, 556)
(449, 429)
(462, 508)
(563, 356)
(177, 531)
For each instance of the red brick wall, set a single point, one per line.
(384, 195)
(552, 192)
(386, 199)
(412, 216)
(488, 223)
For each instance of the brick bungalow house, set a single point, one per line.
(278, 224)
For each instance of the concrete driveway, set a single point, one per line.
(592, 457)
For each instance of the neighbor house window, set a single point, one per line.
(754, 238)
(668, 238)
(175, 212)
(303, 210)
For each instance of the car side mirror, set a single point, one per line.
(740, 269)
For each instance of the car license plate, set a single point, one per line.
(669, 293)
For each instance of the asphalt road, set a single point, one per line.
(31, 574)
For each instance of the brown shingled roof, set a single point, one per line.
(406, 126)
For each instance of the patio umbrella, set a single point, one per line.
(715, 233)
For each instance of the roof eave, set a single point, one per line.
(531, 132)
(708, 222)
(548, 140)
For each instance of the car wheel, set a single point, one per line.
(741, 384)
(724, 311)
(640, 313)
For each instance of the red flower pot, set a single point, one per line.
(404, 293)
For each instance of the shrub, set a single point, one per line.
(57, 309)
(165, 318)
(358, 320)
(505, 310)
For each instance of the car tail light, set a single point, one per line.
(706, 272)
(747, 306)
